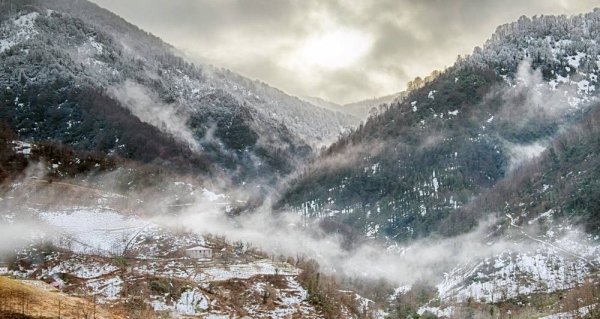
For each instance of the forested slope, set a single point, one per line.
(77, 74)
(457, 133)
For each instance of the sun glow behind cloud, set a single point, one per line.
(340, 50)
(332, 49)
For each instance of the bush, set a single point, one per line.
(159, 286)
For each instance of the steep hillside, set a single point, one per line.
(97, 248)
(363, 109)
(543, 245)
(559, 185)
(403, 172)
(539, 255)
(37, 299)
(78, 74)
(360, 109)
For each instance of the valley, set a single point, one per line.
(473, 193)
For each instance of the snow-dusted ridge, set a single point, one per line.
(19, 30)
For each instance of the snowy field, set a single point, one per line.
(292, 300)
(245, 271)
(94, 230)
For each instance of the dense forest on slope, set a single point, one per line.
(91, 105)
(79, 75)
(457, 133)
(561, 184)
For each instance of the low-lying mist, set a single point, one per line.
(278, 233)
(204, 211)
(284, 233)
(533, 111)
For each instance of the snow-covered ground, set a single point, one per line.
(107, 289)
(512, 274)
(84, 268)
(21, 29)
(549, 264)
(93, 236)
(94, 230)
(245, 271)
(291, 301)
(192, 302)
(579, 313)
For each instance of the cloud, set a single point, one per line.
(521, 154)
(17, 235)
(149, 109)
(276, 233)
(259, 38)
(531, 107)
(288, 234)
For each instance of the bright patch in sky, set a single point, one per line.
(334, 49)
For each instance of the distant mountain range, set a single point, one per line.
(360, 109)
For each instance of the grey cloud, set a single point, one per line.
(146, 106)
(256, 37)
(349, 85)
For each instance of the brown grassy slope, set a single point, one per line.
(19, 298)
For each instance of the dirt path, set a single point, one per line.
(72, 186)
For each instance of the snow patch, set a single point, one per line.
(210, 196)
(575, 60)
(21, 30)
(110, 233)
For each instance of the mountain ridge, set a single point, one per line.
(475, 194)
(198, 104)
(466, 129)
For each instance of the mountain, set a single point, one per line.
(101, 251)
(407, 170)
(490, 167)
(79, 75)
(322, 103)
(362, 109)
(541, 244)
(103, 128)
(474, 194)
(549, 209)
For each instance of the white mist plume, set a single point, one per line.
(292, 235)
(531, 104)
(530, 96)
(17, 231)
(147, 107)
(523, 153)
(289, 234)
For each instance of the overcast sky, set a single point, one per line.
(339, 50)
